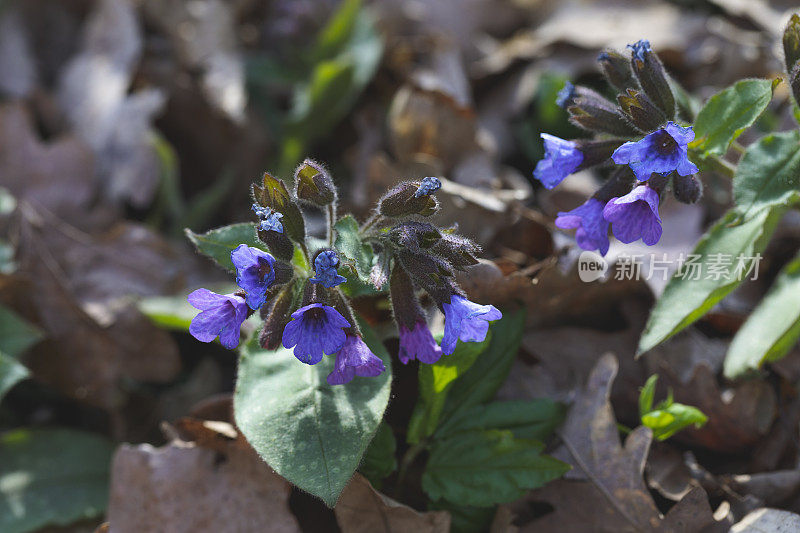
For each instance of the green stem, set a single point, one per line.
(371, 221)
(408, 459)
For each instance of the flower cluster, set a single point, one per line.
(304, 308)
(640, 133)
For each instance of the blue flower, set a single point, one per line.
(565, 95)
(467, 321)
(355, 359)
(639, 49)
(325, 265)
(221, 315)
(316, 330)
(269, 220)
(418, 344)
(661, 152)
(635, 216)
(428, 186)
(561, 158)
(592, 228)
(255, 272)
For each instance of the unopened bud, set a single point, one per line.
(617, 70)
(590, 111)
(791, 42)
(313, 184)
(405, 305)
(276, 315)
(687, 189)
(427, 270)
(414, 235)
(273, 195)
(794, 81)
(402, 201)
(619, 184)
(652, 78)
(641, 111)
(460, 252)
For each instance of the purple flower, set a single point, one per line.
(316, 330)
(418, 344)
(255, 272)
(565, 95)
(467, 321)
(355, 359)
(561, 158)
(639, 49)
(592, 231)
(325, 265)
(662, 152)
(428, 186)
(221, 315)
(635, 216)
(269, 220)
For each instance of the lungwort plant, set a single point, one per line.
(314, 381)
(655, 138)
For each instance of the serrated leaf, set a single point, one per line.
(768, 173)
(350, 245)
(526, 419)
(379, 460)
(728, 113)
(435, 382)
(482, 468)
(309, 432)
(11, 373)
(220, 242)
(772, 329)
(51, 477)
(686, 299)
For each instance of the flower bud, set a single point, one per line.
(687, 189)
(273, 194)
(279, 244)
(641, 111)
(428, 271)
(794, 81)
(619, 184)
(405, 305)
(459, 251)
(313, 184)
(414, 235)
(617, 70)
(402, 201)
(592, 112)
(649, 71)
(791, 42)
(276, 315)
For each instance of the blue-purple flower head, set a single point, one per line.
(466, 321)
(315, 330)
(565, 95)
(325, 265)
(255, 273)
(660, 152)
(639, 49)
(592, 228)
(355, 359)
(561, 158)
(418, 343)
(269, 220)
(428, 186)
(221, 315)
(635, 216)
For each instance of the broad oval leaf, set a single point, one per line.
(482, 468)
(728, 113)
(311, 433)
(772, 329)
(350, 245)
(51, 477)
(220, 242)
(769, 173)
(526, 419)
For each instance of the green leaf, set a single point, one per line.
(526, 419)
(435, 382)
(647, 394)
(220, 242)
(350, 245)
(772, 329)
(380, 460)
(339, 29)
(11, 373)
(309, 432)
(480, 383)
(672, 418)
(728, 113)
(51, 477)
(768, 173)
(481, 468)
(686, 299)
(16, 333)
